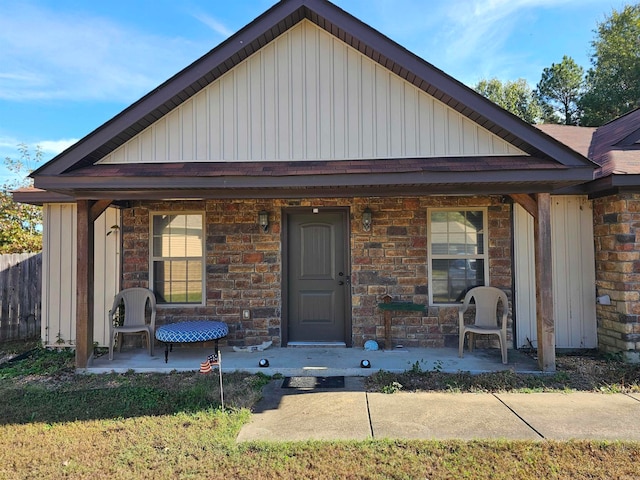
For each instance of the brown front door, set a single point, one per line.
(318, 281)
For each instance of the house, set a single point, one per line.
(308, 166)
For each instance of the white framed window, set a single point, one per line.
(457, 252)
(177, 257)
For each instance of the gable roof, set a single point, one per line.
(614, 147)
(577, 138)
(73, 171)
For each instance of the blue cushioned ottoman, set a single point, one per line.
(190, 331)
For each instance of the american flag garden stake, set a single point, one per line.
(214, 360)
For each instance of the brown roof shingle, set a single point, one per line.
(614, 145)
(578, 138)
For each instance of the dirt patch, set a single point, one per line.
(584, 372)
(595, 372)
(18, 348)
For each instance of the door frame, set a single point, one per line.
(284, 287)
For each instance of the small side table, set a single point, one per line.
(388, 306)
(190, 332)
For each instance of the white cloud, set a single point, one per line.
(480, 27)
(484, 26)
(8, 143)
(56, 146)
(468, 39)
(214, 24)
(47, 146)
(49, 55)
(10, 147)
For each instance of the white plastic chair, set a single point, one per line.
(135, 302)
(486, 318)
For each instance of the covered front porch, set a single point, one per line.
(316, 361)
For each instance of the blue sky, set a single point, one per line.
(68, 66)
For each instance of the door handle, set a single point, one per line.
(340, 282)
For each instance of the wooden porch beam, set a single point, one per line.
(98, 207)
(527, 202)
(544, 284)
(84, 282)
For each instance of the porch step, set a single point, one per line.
(317, 344)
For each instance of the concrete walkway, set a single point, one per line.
(350, 413)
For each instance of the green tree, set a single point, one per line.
(516, 97)
(613, 81)
(560, 88)
(20, 224)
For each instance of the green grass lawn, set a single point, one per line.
(56, 424)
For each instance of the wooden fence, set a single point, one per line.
(20, 296)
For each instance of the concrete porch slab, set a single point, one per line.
(315, 361)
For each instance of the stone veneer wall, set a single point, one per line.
(617, 243)
(243, 264)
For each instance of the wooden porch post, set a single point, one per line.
(87, 213)
(544, 285)
(540, 209)
(84, 284)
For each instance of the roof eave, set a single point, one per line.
(611, 185)
(35, 196)
(468, 182)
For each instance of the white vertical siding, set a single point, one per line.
(525, 277)
(107, 271)
(308, 96)
(573, 274)
(59, 258)
(572, 235)
(59, 274)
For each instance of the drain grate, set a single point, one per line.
(313, 382)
